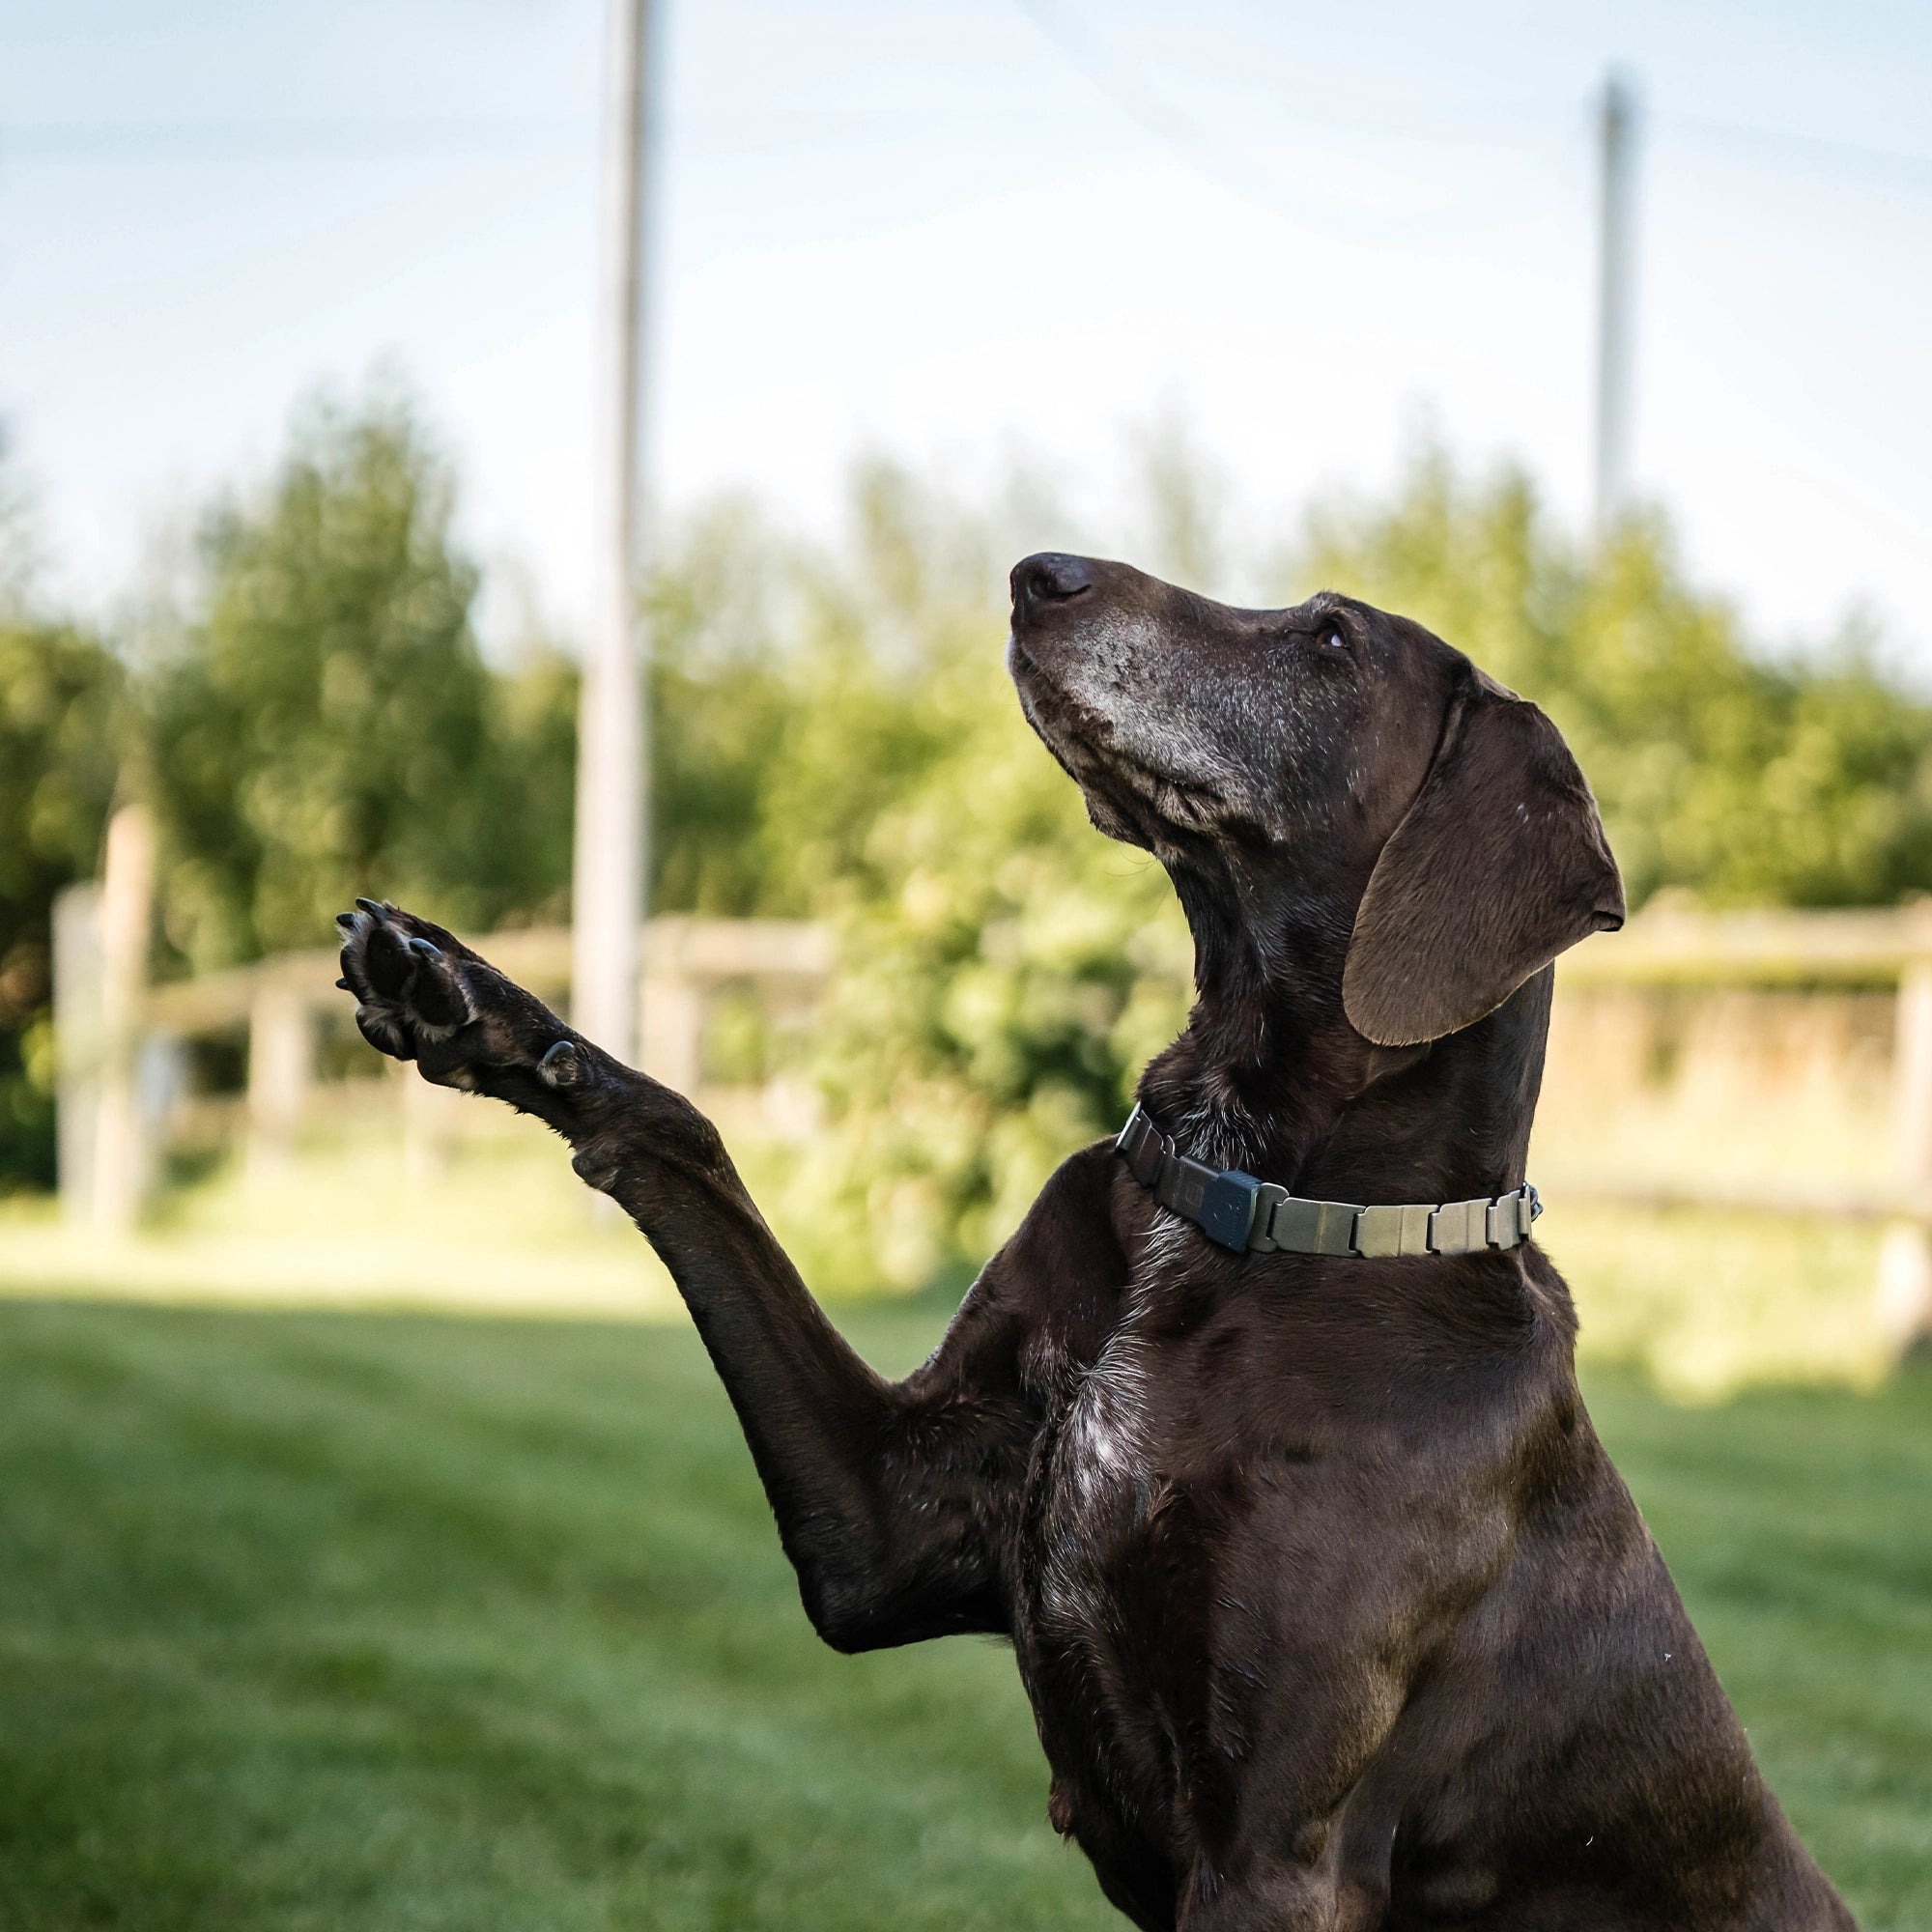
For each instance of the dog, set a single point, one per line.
(1261, 1439)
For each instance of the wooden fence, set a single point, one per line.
(1854, 988)
(1835, 1121)
(121, 1042)
(1812, 952)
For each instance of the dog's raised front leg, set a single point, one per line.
(886, 1495)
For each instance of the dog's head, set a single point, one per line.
(1330, 741)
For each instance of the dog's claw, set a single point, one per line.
(562, 1065)
(416, 994)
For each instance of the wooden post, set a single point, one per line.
(432, 1117)
(122, 1162)
(1616, 121)
(77, 1046)
(672, 1026)
(1904, 1296)
(281, 1056)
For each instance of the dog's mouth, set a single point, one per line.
(1088, 746)
(1080, 736)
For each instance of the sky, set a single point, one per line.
(980, 232)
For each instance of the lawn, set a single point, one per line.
(389, 1622)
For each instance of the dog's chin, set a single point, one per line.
(1058, 721)
(1131, 796)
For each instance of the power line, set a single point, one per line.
(1893, 167)
(380, 137)
(1121, 82)
(386, 138)
(1211, 156)
(1128, 88)
(373, 139)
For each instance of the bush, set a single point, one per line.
(1720, 768)
(833, 737)
(1005, 971)
(60, 695)
(322, 723)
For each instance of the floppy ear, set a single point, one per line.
(1500, 865)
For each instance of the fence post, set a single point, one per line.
(673, 1003)
(1904, 1293)
(122, 1156)
(673, 1031)
(77, 1046)
(281, 1055)
(432, 1117)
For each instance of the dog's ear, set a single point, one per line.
(1499, 864)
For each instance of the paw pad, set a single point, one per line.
(408, 988)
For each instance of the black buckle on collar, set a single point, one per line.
(1224, 1203)
(1227, 1205)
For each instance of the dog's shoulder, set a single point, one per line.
(1057, 1282)
(1065, 1253)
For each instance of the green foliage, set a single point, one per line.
(60, 710)
(1004, 970)
(833, 737)
(837, 735)
(324, 722)
(789, 707)
(1721, 769)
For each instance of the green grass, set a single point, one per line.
(382, 1621)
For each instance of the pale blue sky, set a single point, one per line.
(925, 228)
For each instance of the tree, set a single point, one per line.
(324, 723)
(836, 736)
(60, 721)
(1005, 973)
(1721, 769)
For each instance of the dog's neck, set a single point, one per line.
(1270, 1077)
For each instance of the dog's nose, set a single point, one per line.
(1050, 578)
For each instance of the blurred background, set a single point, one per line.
(427, 428)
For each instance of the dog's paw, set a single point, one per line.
(408, 977)
(422, 995)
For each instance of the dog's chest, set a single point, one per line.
(1107, 1458)
(1093, 1478)
(1093, 1630)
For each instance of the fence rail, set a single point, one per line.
(1672, 948)
(1679, 945)
(113, 1032)
(119, 1042)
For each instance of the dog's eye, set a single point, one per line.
(1333, 638)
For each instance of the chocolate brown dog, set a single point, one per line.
(1332, 1610)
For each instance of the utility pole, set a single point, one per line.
(611, 851)
(1616, 128)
